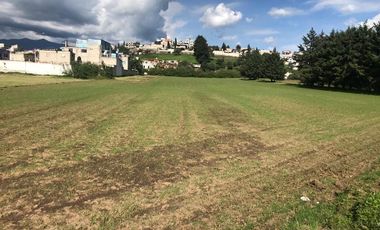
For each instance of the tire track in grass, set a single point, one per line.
(70, 128)
(160, 163)
(109, 176)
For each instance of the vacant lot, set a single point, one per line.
(180, 153)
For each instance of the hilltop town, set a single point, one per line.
(14, 58)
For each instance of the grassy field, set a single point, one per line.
(169, 153)
(11, 80)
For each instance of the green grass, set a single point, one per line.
(182, 58)
(183, 153)
(10, 80)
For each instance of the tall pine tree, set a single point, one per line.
(201, 51)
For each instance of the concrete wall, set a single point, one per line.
(19, 56)
(56, 57)
(33, 68)
(108, 61)
(125, 60)
(222, 53)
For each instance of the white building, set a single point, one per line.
(150, 64)
(226, 54)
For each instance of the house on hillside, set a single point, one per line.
(150, 63)
(162, 64)
(168, 64)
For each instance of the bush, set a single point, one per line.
(90, 71)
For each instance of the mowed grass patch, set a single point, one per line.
(14, 80)
(180, 152)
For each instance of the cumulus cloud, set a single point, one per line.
(348, 6)
(220, 16)
(171, 23)
(373, 21)
(57, 19)
(285, 12)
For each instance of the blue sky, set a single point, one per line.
(260, 23)
(274, 23)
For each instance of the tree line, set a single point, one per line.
(348, 59)
(252, 64)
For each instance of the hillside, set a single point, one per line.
(29, 44)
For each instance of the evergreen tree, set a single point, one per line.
(224, 47)
(346, 59)
(251, 65)
(374, 72)
(249, 49)
(307, 58)
(238, 47)
(273, 66)
(175, 43)
(201, 51)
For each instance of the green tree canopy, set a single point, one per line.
(201, 51)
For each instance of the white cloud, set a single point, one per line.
(262, 32)
(285, 12)
(172, 24)
(220, 16)
(108, 19)
(347, 6)
(269, 40)
(375, 20)
(249, 20)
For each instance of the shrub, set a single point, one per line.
(186, 71)
(90, 71)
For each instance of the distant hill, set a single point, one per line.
(29, 44)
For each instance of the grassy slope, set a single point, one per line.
(187, 58)
(183, 57)
(169, 152)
